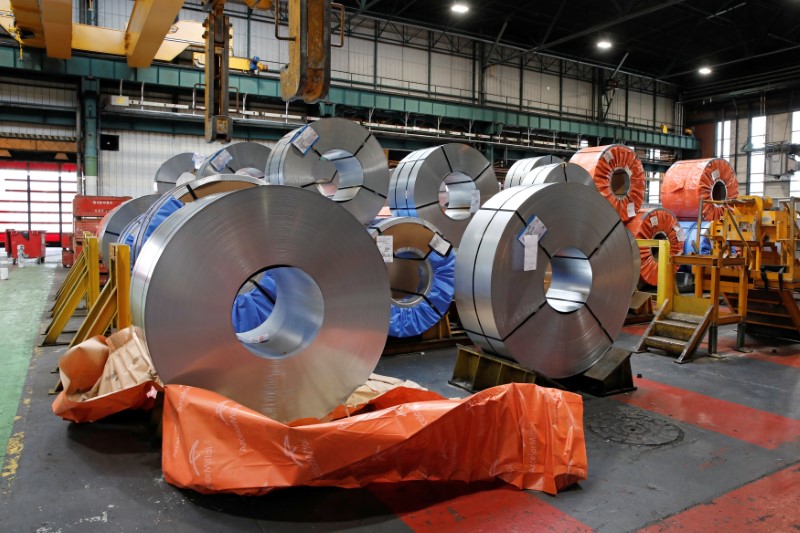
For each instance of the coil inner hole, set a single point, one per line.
(620, 182)
(338, 175)
(568, 280)
(295, 319)
(410, 277)
(659, 236)
(455, 195)
(719, 192)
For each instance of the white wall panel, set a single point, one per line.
(131, 170)
(353, 62)
(502, 84)
(451, 75)
(20, 128)
(45, 94)
(665, 110)
(540, 90)
(779, 127)
(640, 108)
(577, 96)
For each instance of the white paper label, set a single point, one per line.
(631, 210)
(608, 156)
(197, 160)
(305, 139)
(475, 201)
(531, 252)
(715, 174)
(534, 227)
(221, 160)
(439, 244)
(386, 247)
(654, 221)
(679, 232)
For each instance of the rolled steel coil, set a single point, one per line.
(178, 167)
(444, 185)
(657, 223)
(521, 168)
(115, 222)
(686, 182)
(560, 317)
(618, 175)
(239, 158)
(558, 173)
(176, 198)
(328, 327)
(339, 159)
(420, 274)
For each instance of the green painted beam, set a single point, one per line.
(187, 78)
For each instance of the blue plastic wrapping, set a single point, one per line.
(252, 308)
(690, 231)
(411, 321)
(161, 214)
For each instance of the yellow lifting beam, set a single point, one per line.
(57, 25)
(114, 300)
(84, 284)
(148, 26)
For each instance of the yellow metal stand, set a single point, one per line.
(82, 282)
(114, 300)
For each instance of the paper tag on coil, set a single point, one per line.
(654, 221)
(197, 160)
(221, 160)
(386, 247)
(257, 339)
(631, 210)
(440, 245)
(535, 227)
(715, 174)
(475, 201)
(679, 232)
(305, 139)
(608, 156)
(531, 243)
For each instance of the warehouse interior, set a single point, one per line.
(399, 266)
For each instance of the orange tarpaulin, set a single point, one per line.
(686, 182)
(618, 175)
(655, 224)
(529, 436)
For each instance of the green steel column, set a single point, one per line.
(90, 89)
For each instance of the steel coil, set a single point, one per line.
(686, 182)
(115, 222)
(655, 223)
(560, 316)
(328, 327)
(521, 168)
(239, 158)
(558, 173)
(618, 175)
(338, 158)
(444, 185)
(420, 273)
(176, 198)
(178, 167)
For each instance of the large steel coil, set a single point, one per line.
(558, 173)
(114, 223)
(247, 158)
(176, 198)
(328, 327)
(337, 157)
(420, 273)
(444, 185)
(521, 168)
(658, 224)
(686, 182)
(181, 167)
(555, 305)
(618, 175)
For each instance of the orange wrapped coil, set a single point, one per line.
(618, 175)
(686, 182)
(656, 223)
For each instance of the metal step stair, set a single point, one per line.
(675, 333)
(772, 311)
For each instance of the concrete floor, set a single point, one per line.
(709, 446)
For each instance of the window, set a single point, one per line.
(653, 187)
(723, 137)
(758, 137)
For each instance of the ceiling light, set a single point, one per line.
(705, 71)
(460, 8)
(604, 44)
